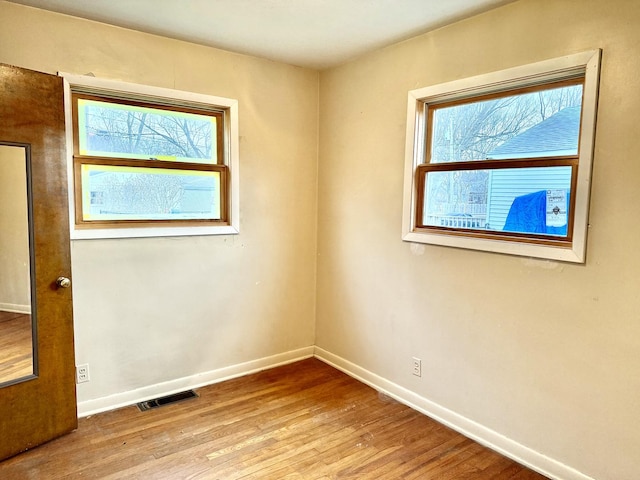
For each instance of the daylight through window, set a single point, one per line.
(496, 161)
(137, 162)
(534, 136)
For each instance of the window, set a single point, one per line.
(149, 161)
(502, 162)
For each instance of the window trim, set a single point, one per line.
(131, 92)
(585, 64)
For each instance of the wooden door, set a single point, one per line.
(41, 406)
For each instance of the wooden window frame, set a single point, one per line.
(226, 158)
(582, 68)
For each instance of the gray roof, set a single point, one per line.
(557, 133)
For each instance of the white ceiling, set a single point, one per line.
(310, 33)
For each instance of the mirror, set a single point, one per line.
(17, 310)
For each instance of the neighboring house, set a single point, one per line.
(557, 135)
(159, 195)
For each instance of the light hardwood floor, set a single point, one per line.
(301, 421)
(15, 346)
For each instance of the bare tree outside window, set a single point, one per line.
(140, 133)
(468, 132)
(120, 192)
(141, 194)
(146, 132)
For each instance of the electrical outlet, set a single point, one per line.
(82, 373)
(417, 367)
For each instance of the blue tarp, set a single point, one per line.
(528, 214)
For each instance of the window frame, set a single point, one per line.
(572, 248)
(227, 164)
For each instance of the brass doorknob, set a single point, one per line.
(63, 282)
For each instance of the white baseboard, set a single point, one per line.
(467, 427)
(520, 453)
(103, 404)
(15, 308)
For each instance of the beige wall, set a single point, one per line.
(149, 311)
(544, 353)
(15, 287)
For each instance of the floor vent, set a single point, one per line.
(169, 399)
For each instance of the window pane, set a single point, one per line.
(114, 130)
(537, 124)
(133, 193)
(523, 200)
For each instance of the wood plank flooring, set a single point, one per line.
(16, 360)
(300, 421)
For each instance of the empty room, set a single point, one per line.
(265, 239)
